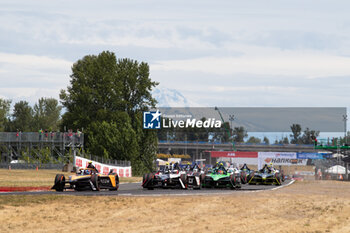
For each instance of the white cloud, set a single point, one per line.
(35, 62)
(265, 61)
(29, 77)
(232, 52)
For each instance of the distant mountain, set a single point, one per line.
(172, 98)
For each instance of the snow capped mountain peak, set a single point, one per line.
(171, 98)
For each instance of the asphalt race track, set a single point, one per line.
(135, 189)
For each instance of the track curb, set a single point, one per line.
(24, 189)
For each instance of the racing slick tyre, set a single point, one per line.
(150, 177)
(238, 183)
(243, 178)
(95, 182)
(279, 180)
(145, 180)
(183, 178)
(250, 177)
(232, 181)
(202, 179)
(59, 182)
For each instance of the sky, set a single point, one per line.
(216, 53)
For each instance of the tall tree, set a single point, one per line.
(309, 135)
(22, 117)
(4, 113)
(254, 140)
(284, 140)
(47, 114)
(239, 133)
(106, 94)
(296, 132)
(266, 140)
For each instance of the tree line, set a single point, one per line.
(106, 97)
(238, 135)
(45, 114)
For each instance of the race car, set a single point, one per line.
(86, 179)
(194, 176)
(246, 174)
(221, 178)
(167, 178)
(238, 172)
(266, 176)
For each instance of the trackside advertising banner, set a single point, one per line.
(103, 168)
(234, 154)
(279, 158)
(238, 157)
(310, 155)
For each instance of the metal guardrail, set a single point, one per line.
(31, 166)
(68, 139)
(228, 143)
(53, 137)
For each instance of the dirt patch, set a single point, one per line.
(310, 206)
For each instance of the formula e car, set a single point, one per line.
(87, 179)
(246, 174)
(238, 172)
(194, 176)
(266, 176)
(221, 178)
(165, 179)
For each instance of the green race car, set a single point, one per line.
(221, 178)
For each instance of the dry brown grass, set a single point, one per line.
(33, 178)
(310, 206)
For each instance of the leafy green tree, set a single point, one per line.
(110, 94)
(345, 140)
(22, 117)
(147, 147)
(296, 132)
(136, 86)
(226, 132)
(254, 140)
(239, 133)
(309, 135)
(113, 140)
(47, 114)
(4, 113)
(285, 140)
(266, 140)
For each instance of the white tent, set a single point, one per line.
(337, 169)
(336, 155)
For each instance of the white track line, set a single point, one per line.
(291, 182)
(205, 194)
